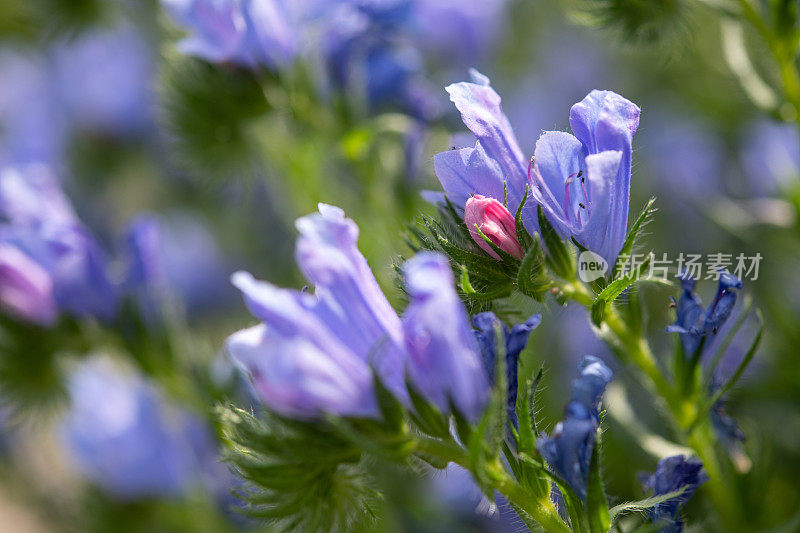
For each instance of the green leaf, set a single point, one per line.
(614, 289)
(642, 505)
(644, 218)
(532, 279)
(486, 439)
(531, 475)
(559, 257)
(575, 508)
(526, 436)
(596, 502)
(497, 409)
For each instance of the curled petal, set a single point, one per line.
(481, 112)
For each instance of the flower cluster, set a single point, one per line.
(693, 323)
(316, 353)
(581, 181)
(370, 47)
(51, 264)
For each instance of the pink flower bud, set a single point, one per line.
(494, 221)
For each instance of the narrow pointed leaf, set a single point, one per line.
(643, 505)
(644, 218)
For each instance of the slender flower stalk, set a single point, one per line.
(681, 409)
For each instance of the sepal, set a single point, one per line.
(558, 257)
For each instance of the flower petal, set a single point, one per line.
(443, 362)
(557, 156)
(468, 171)
(351, 299)
(480, 110)
(605, 121)
(296, 375)
(599, 233)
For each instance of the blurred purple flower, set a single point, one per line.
(124, 436)
(193, 263)
(32, 124)
(515, 341)
(244, 32)
(568, 450)
(693, 323)
(672, 474)
(103, 79)
(41, 224)
(443, 356)
(315, 354)
(771, 156)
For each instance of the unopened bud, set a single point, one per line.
(494, 221)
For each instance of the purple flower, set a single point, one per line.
(367, 50)
(693, 323)
(124, 436)
(496, 158)
(41, 224)
(568, 450)
(32, 123)
(245, 32)
(315, 353)
(99, 91)
(443, 361)
(672, 474)
(583, 180)
(515, 341)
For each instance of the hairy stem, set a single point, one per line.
(540, 509)
(681, 407)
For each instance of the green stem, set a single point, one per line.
(635, 347)
(681, 406)
(540, 509)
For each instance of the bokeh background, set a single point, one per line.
(223, 158)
